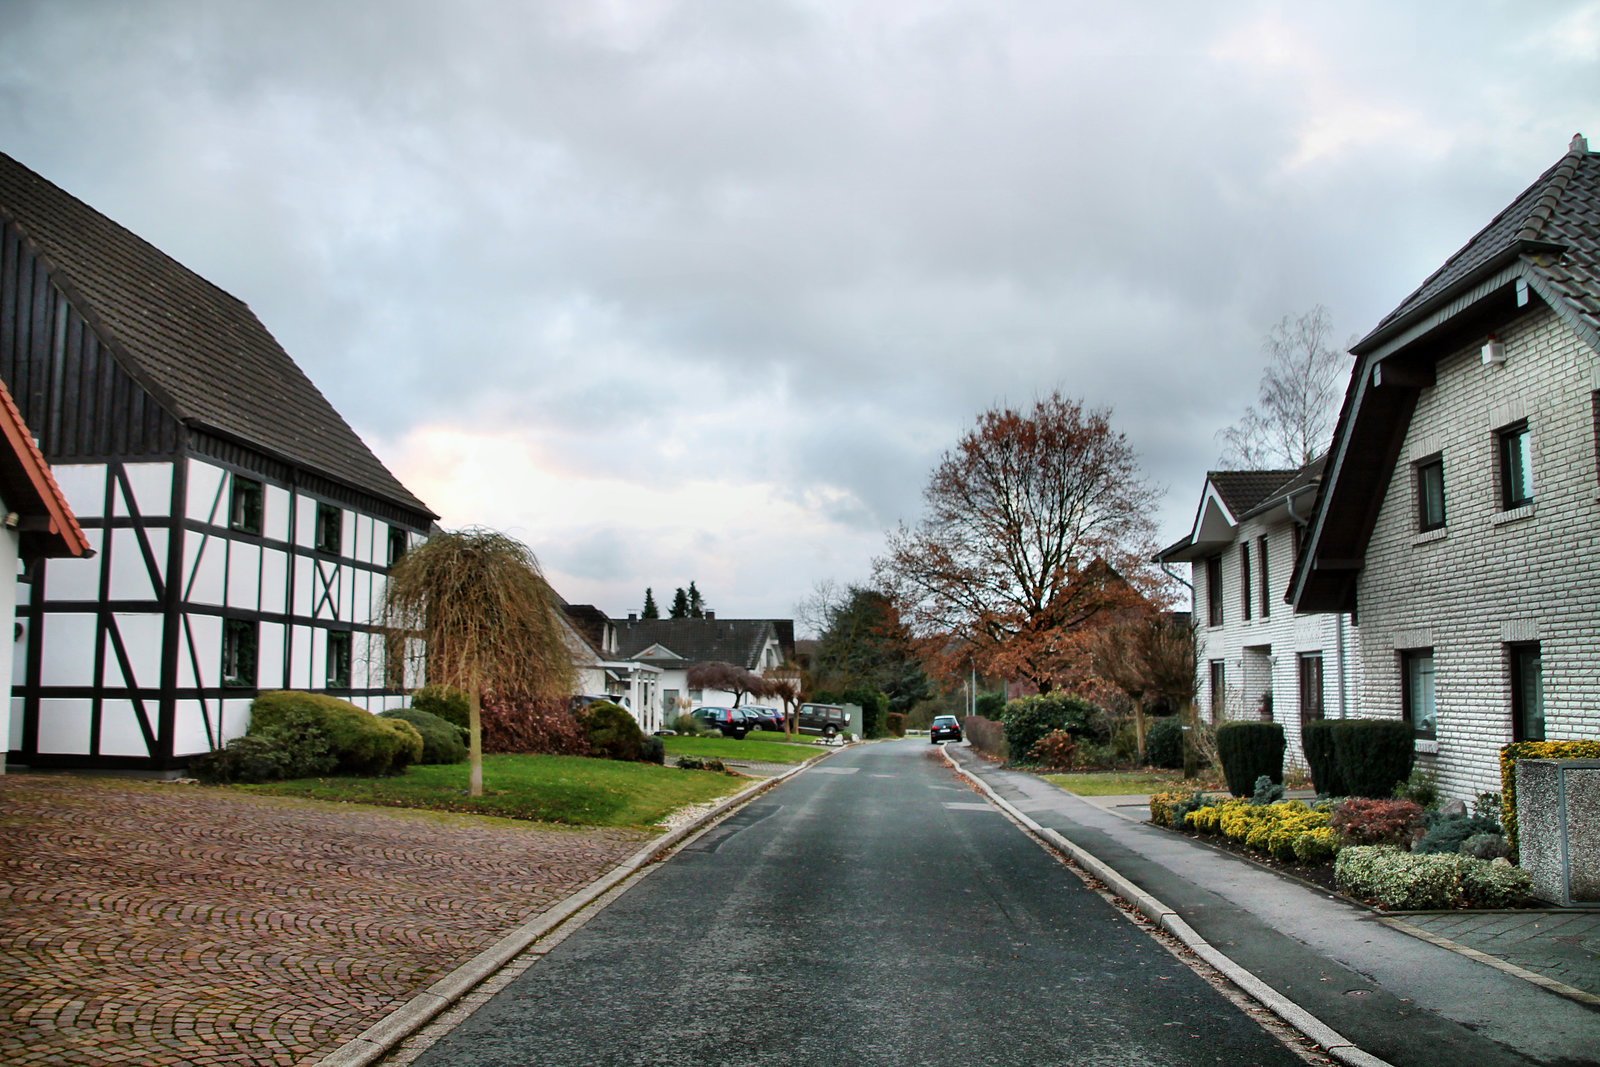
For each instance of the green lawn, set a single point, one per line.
(1117, 783)
(726, 748)
(564, 789)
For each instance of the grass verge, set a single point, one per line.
(562, 789)
(1117, 783)
(726, 748)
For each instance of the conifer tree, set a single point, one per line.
(650, 610)
(697, 604)
(680, 605)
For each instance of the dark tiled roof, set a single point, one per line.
(735, 641)
(1304, 478)
(201, 353)
(1554, 226)
(590, 622)
(1243, 490)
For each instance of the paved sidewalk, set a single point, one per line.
(153, 923)
(1405, 1000)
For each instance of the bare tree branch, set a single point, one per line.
(1292, 421)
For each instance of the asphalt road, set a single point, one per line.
(871, 910)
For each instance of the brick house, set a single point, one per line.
(1459, 514)
(1256, 657)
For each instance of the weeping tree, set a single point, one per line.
(489, 620)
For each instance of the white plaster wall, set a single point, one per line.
(119, 728)
(84, 486)
(8, 621)
(141, 638)
(305, 521)
(204, 489)
(205, 569)
(189, 728)
(244, 575)
(130, 571)
(274, 580)
(152, 489)
(206, 631)
(275, 514)
(64, 726)
(269, 655)
(76, 579)
(1486, 581)
(68, 649)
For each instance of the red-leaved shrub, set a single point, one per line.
(985, 735)
(1054, 750)
(1363, 821)
(512, 724)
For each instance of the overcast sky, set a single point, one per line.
(678, 291)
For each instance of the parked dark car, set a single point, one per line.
(730, 722)
(945, 728)
(829, 720)
(763, 718)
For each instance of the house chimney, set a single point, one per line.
(1580, 143)
(633, 616)
(710, 615)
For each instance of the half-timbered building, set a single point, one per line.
(241, 530)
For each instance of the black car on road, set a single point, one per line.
(945, 728)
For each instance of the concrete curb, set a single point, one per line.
(1314, 1029)
(381, 1038)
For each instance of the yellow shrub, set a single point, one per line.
(1161, 807)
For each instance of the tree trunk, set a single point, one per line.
(1191, 761)
(1138, 727)
(475, 742)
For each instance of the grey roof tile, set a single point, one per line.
(202, 352)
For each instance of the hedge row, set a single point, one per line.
(1358, 757)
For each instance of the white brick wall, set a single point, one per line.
(1486, 580)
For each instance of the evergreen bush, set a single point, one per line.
(360, 741)
(990, 706)
(1316, 741)
(301, 741)
(442, 741)
(1446, 833)
(652, 749)
(1406, 881)
(449, 704)
(1249, 750)
(1485, 847)
(245, 759)
(1373, 755)
(612, 732)
(1163, 743)
(874, 706)
(1028, 719)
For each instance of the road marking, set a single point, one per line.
(967, 805)
(834, 770)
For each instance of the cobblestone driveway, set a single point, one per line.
(145, 922)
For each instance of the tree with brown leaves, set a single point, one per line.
(488, 618)
(1148, 658)
(1038, 529)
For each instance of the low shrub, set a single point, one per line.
(1161, 806)
(612, 732)
(699, 763)
(1373, 754)
(442, 741)
(1445, 833)
(1422, 788)
(449, 704)
(1054, 751)
(1266, 792)
(301, 740)
(361, 742)
(245, 759)
(895, 723)
(1485, 847)
(1248, 750)
(1028, 719)
(990, 706)
(1509, 754)
(523, 725)
(652, 749)
(1320, 845)
(1178, 812)
(1396, 880)
(1089, 754)
(1316, 741)
(689, 725)
(1365, 821)
(1163, 743)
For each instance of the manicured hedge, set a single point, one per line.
(1408, 881)
(362, 742)
(1316, 741)
(1249, 750)
(1163, 743)
(1373, 755)
(612, 732)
